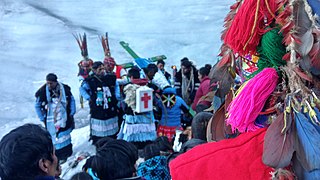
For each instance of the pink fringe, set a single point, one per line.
(245, 108)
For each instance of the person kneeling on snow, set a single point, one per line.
(26, 153)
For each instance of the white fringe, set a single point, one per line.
(138, 128)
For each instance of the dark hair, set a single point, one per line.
(204, 71)
(103, 142)
(208, 66)
(150, 151)
(163, 143)
(111, 164)
(186, 64)
(134, 72)
(51, 77)
(151, 68)
(20, 152)
(161, 62)
(96, 64)
(184, 59)
(114, 160)
(121, 145)
(81, 176)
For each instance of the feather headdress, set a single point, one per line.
(82, 42)
(105, 45)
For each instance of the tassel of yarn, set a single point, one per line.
(245, 108)
(249, 24)
(271, 50)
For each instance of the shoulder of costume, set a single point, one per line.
(41, 91)
(178, 76)
(66, 86)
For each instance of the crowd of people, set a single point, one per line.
(120, 132)
(259, 106)
(132, 140)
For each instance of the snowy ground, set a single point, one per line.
(36, 38)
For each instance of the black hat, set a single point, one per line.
(51, 77)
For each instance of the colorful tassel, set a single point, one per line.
(249, 24)
(245, 108)
(271, 50)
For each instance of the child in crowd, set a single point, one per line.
(155, 166)
(171, 106)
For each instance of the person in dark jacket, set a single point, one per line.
(27, 153)
(55, 107)
(102, 92)
(186, 81)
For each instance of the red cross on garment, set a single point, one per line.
(145, 98)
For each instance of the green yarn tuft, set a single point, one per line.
(271, 50)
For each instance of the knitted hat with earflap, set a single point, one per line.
(155, 168)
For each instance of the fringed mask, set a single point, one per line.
(168, 100)
(168, 97)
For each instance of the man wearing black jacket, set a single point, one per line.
(55, 107)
